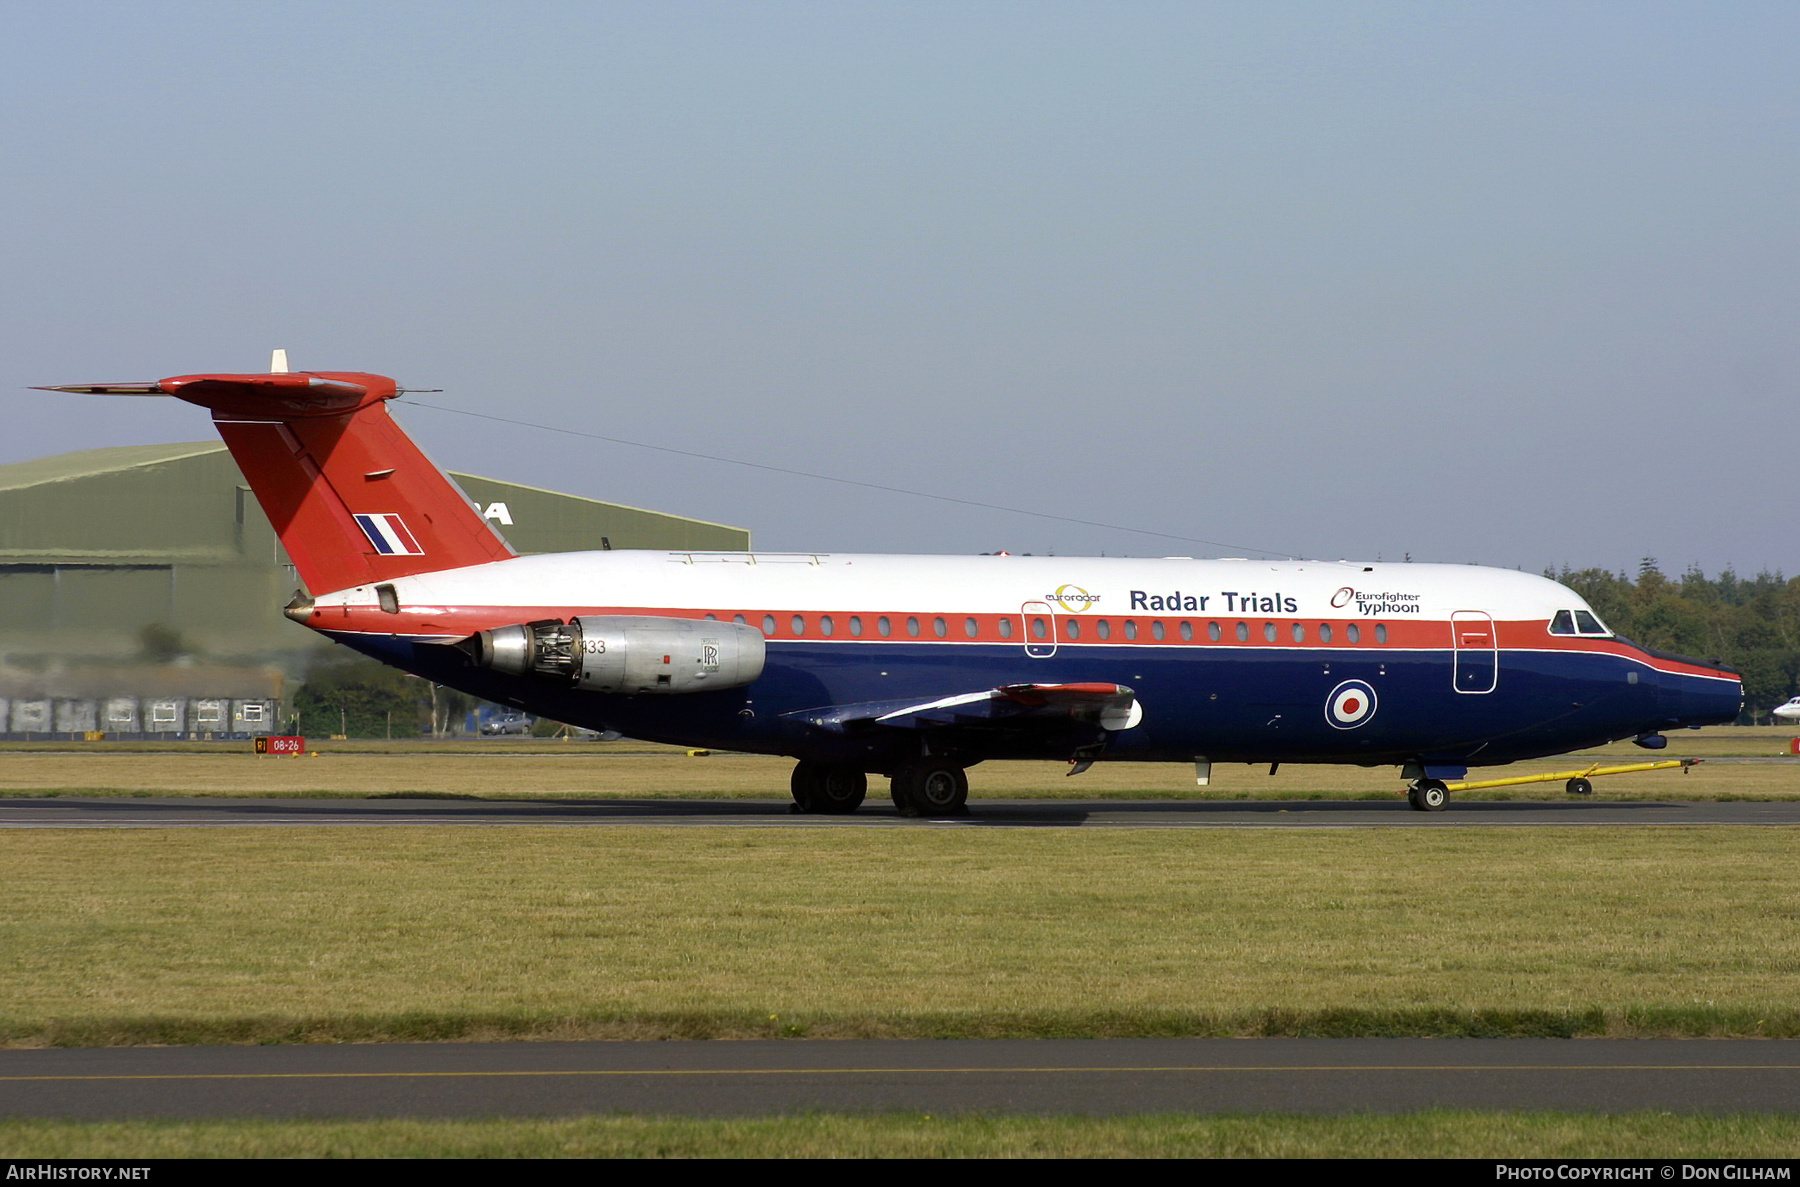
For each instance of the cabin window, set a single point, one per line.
(1103, 629)
(1299, 632)
(1269, 632)
(1381, 632)
(1130, 628)
(971, 628)
(798, 624)
(939, 627)
(1587, 624)
(1243, 632)
(1072, 627)
(824, 624)
(912, 626)
(1156, 630)
(1039, 629)
(1324, 632)
(1213, 632)
(856, 625)
(738, 618)
(710, 617)
(1563, 623)
(1187, 632)
(1353, 633)
(768, 624)
(884, 626)
(1006, 628)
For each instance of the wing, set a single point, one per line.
(1109, 706)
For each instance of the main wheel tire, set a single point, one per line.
(1579, 786)
(840, 790)
(931, 789)
(828, 787)
(1429, 795)
(804, 784)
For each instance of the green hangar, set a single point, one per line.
(141, 587)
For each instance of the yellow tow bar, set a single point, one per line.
(1583, 776)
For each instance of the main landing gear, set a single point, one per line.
(1428, 795)
(828, 787)
(930, 787)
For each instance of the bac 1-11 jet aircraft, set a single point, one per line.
(918, 668)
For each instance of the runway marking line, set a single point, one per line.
(890, 1071)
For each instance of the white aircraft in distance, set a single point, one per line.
(918, 668)
(1788, 711)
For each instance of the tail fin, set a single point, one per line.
(353, 500)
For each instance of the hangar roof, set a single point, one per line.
(121, 509)
(86, 463)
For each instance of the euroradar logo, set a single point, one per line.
(1073, 599)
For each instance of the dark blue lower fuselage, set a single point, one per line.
(1229, 704)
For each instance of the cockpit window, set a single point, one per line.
(1588, 624)
(1563, 623)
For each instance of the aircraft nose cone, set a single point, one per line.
(1691, 699)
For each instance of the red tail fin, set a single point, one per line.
(352, 498)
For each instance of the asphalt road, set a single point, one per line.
(117, 812)
(1072, 1076)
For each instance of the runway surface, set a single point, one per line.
(119, 812)
(1073, 1076)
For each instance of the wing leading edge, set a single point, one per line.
(1110, 706)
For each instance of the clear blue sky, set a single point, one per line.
(1510, 283)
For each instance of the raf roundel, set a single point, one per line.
(1350, 704)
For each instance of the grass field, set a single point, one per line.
(1438, 1134)
(306, 934)
(578, 771)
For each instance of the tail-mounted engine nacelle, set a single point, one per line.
(626, 654)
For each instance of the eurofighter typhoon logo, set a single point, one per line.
(1385, 602)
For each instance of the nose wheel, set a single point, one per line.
(1428, 795)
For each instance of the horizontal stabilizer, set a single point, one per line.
(289, 394)
(107, 389)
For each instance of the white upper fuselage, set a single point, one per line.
(458, 601)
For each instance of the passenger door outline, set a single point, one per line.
(1475, 663)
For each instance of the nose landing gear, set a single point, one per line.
(1428, 795)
